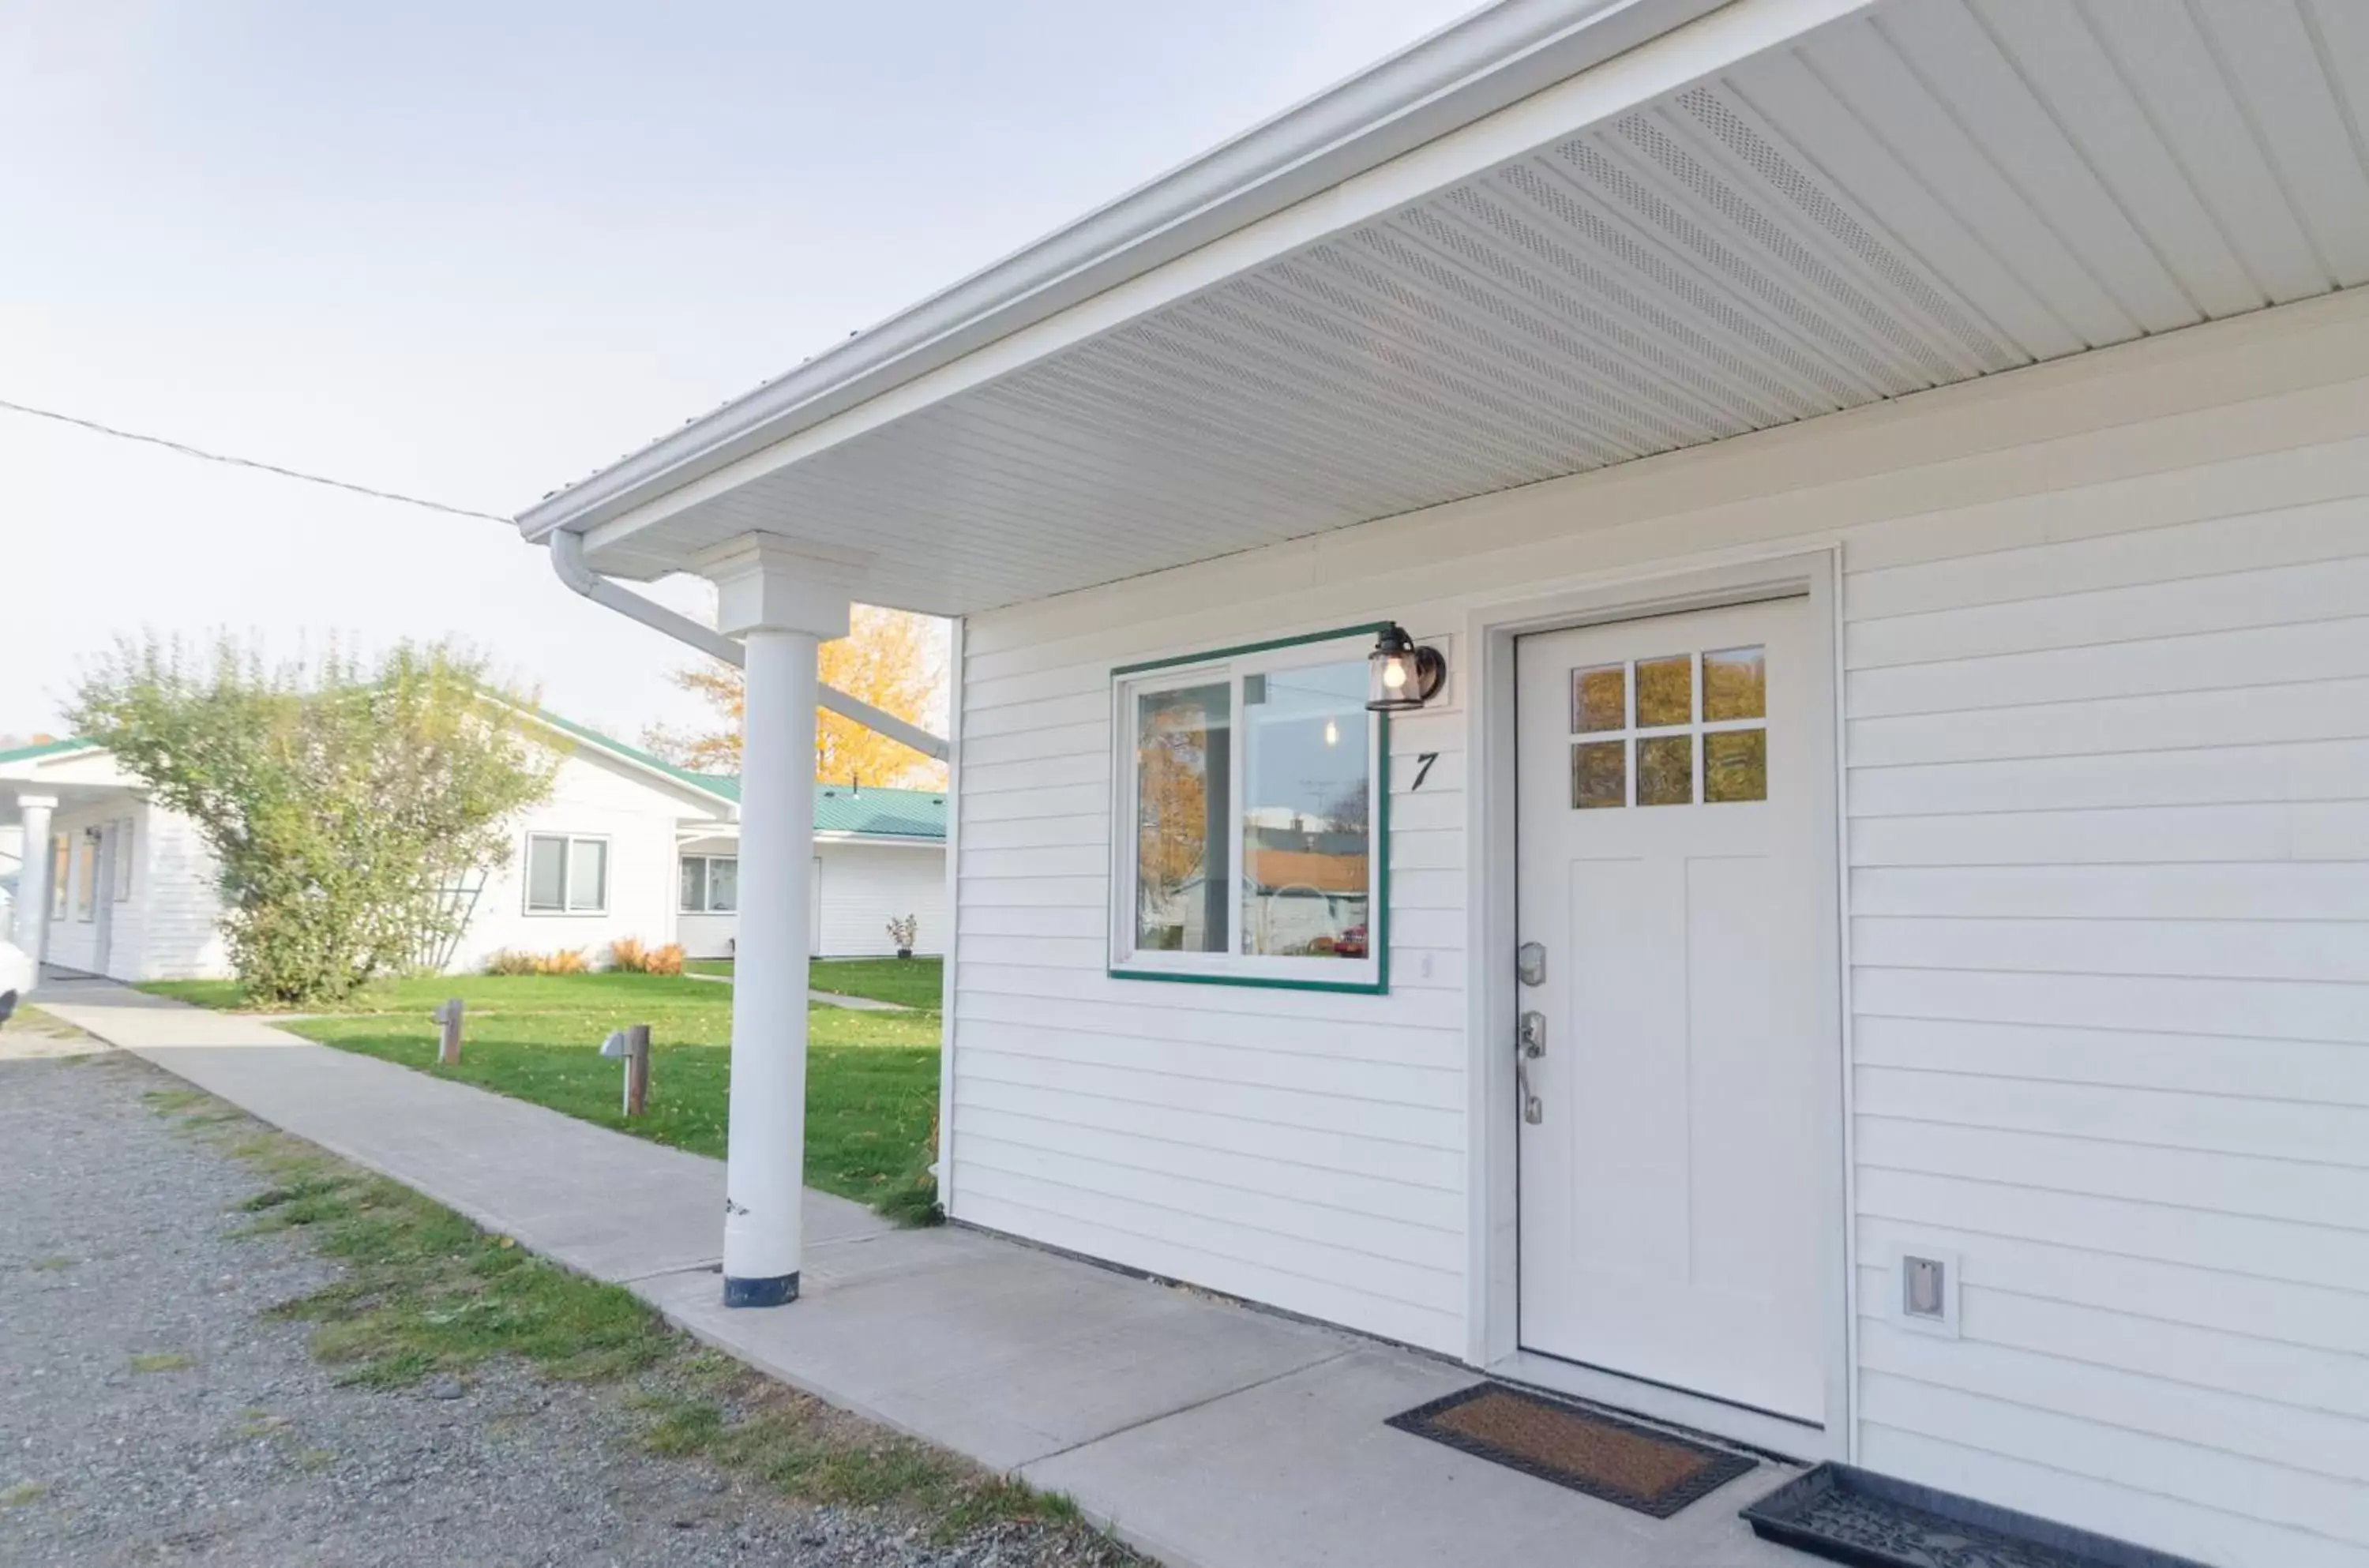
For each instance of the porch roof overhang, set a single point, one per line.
(1556, 236)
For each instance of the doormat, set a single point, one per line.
(1634, 1466)
(1872, 1521)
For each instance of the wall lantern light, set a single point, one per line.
(1402, 677)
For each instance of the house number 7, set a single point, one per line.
(1423, 760)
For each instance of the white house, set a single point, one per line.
(1867, 949)
(626, 845)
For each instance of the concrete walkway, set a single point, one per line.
(827, 998)
(1206, 1435)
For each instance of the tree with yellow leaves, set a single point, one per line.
(889, 658)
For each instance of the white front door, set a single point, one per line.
(1671, 1126)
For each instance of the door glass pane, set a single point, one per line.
(1665, 771)
(1665, 694)
(724, 884)
(1599, 774)
(1307, 805)
(1736, 765)
(124, 860)
(1735, 685)
(1600, 698)
(1183, 762)
(694, 884)
(588, 873)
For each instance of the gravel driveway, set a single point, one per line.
(151, 1411)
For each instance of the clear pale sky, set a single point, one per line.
(474, 250)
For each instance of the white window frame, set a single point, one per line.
(61, 876)
(1367, 974)
(566, 876)
(707, 884)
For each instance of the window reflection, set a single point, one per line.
(1307, 810)
(1181, 772)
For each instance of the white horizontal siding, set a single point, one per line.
(865, 886)
(2106, 707)
(180, 903)
(1301, 1149)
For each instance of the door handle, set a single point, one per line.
(1530, 1043)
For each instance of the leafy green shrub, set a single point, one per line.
(342, 803)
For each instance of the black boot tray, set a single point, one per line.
(1872, 1521)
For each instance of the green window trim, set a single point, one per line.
(1379, 938)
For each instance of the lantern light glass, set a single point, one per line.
(1402, 676)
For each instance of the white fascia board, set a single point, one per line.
(1493, 87)
(27, 770)
(731, 831)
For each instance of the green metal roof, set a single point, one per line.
(27, 753)
(906, 813)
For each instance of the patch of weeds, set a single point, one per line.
(52, 1265)
(161, 1361)
(176, 1102)
(257, 1423)
(24, 1492)
(315, 1459)
(809, 1451)
(424, 1292)
(911, 1202)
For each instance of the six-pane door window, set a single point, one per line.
(1648, 729)
(565, 875)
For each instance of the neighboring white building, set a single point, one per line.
(1890, 481)
(626, 845)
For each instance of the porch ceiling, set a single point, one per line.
(1916, 193)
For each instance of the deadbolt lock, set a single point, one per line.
(1530, 963)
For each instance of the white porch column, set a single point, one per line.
(33, 880)
(783, 606)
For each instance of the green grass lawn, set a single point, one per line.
(871, 1078)
(908, 982)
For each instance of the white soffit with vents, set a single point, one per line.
(1776, 211)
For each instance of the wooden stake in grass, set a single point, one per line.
(448, 1045)
(637, 1068)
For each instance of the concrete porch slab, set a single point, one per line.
(1004, 1352)
(1301, 1472)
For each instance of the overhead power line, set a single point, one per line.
(188, 451)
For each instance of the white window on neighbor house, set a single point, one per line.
(566, 875)
(1249, 786)
(61, 875)
(124, 860)
(87, 876)
(711, 884)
